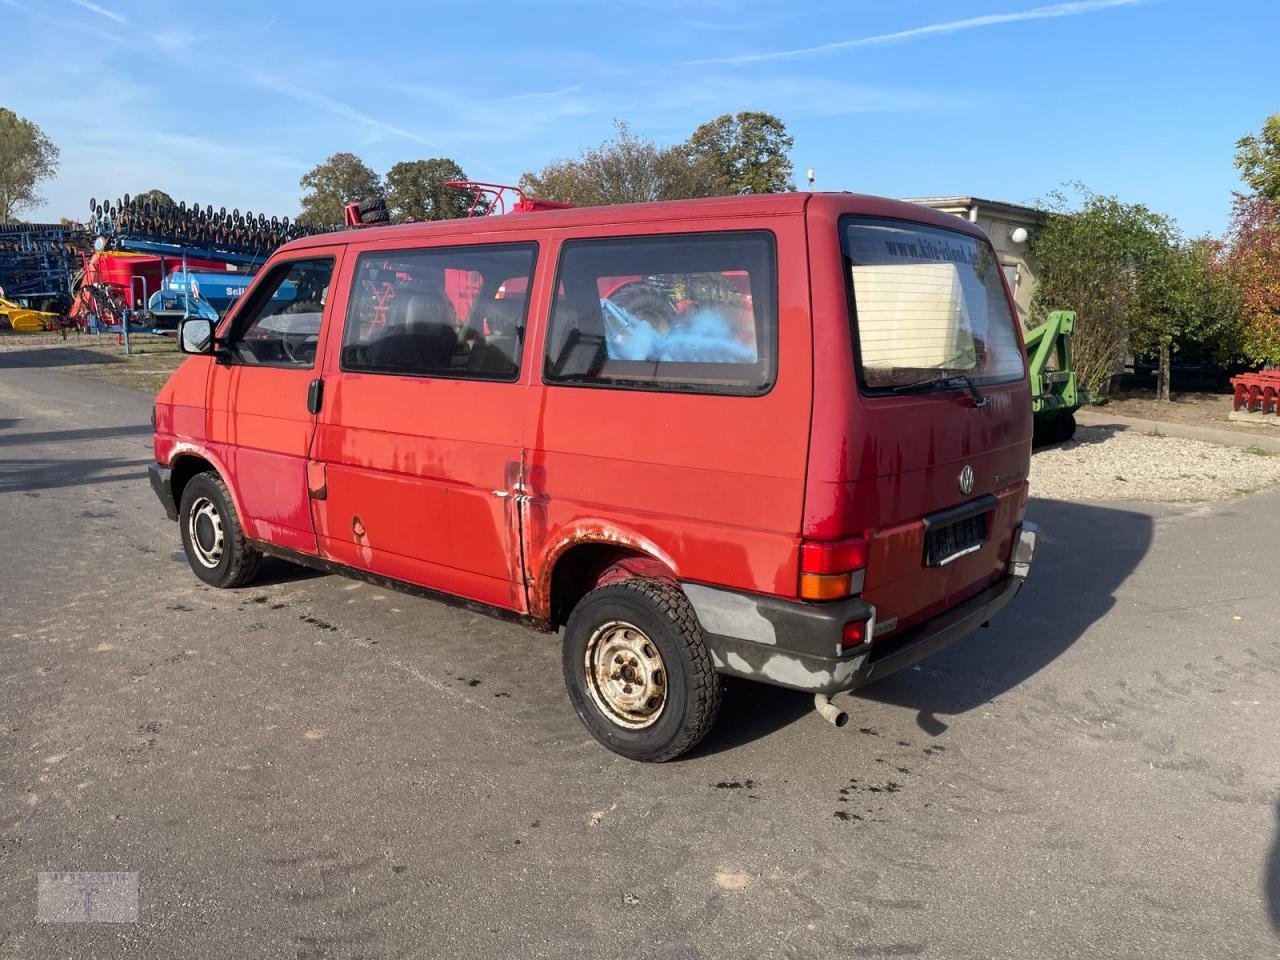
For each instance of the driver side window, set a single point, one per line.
(281, 327)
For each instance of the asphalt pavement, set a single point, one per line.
(313, 767)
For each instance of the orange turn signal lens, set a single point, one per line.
(826, 586)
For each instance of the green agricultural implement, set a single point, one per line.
(1055, 395)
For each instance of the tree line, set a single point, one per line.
(732, 154)
(1140, 287)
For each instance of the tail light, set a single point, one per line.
(832, 569)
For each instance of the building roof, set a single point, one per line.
(966, 203)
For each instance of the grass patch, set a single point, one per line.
(1258, 451)
(1157, 432)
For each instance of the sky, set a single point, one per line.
(230, 103)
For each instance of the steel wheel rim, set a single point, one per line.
(626, 677)
(204, 531)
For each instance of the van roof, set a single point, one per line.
(755, 205)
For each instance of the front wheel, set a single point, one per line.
(212, 536)
(638, 671)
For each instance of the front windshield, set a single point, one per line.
(928, 303)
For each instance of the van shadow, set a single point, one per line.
(275, 571)
(1086, 552)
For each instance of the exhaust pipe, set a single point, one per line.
(828, 710)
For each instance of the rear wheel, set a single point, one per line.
(638, 671)
(212, 536)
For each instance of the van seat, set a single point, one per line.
(419, 337)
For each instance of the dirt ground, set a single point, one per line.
(1197, 409)
(98, 357)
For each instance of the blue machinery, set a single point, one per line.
(175, 232)
(38, 263)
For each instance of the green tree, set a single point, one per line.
(341, 179)
(1120, 267)
(157, 199)
(623, 169)
(27, 156)
(1258, 159)
(416, 190)
(1184, 299)
(748, 152)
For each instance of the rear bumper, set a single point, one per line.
(162, 483)
(796, 645)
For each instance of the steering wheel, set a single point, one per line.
(293, 346)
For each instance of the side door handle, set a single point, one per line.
(315, 395)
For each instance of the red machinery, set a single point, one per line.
(486, 199)
(1257, 392)
(491, 198)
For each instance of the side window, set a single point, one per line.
(690, 312)
(440, 312)
(281, 327)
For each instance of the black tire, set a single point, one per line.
(662, 617)
(214, 541)
(1067, 428)
(1048, 431)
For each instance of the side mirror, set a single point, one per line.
(195, 335)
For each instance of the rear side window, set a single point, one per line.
(928, 304)
(281, 327)
(440, 312)
(691, 312)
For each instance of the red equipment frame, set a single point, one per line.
(499, 191)
(1257, 392)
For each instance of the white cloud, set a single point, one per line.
(102, 11)
(1049, 12)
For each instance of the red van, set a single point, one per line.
(778, 437)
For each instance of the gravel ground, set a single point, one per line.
(1103, 463)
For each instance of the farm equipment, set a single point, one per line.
(1257, 392)
(154, 264)
(1055, 394)
(19, 319)
(38, 262)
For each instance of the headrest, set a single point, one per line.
(426, 313)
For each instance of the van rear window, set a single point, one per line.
(927, 304)
(690, 312)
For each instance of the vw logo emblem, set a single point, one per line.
(966, 479)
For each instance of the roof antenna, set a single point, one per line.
(811, 178)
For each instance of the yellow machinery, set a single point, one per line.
(21, 320)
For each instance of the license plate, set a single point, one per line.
(950, 541)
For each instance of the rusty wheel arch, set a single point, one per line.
(184, 467)
(579, 565)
